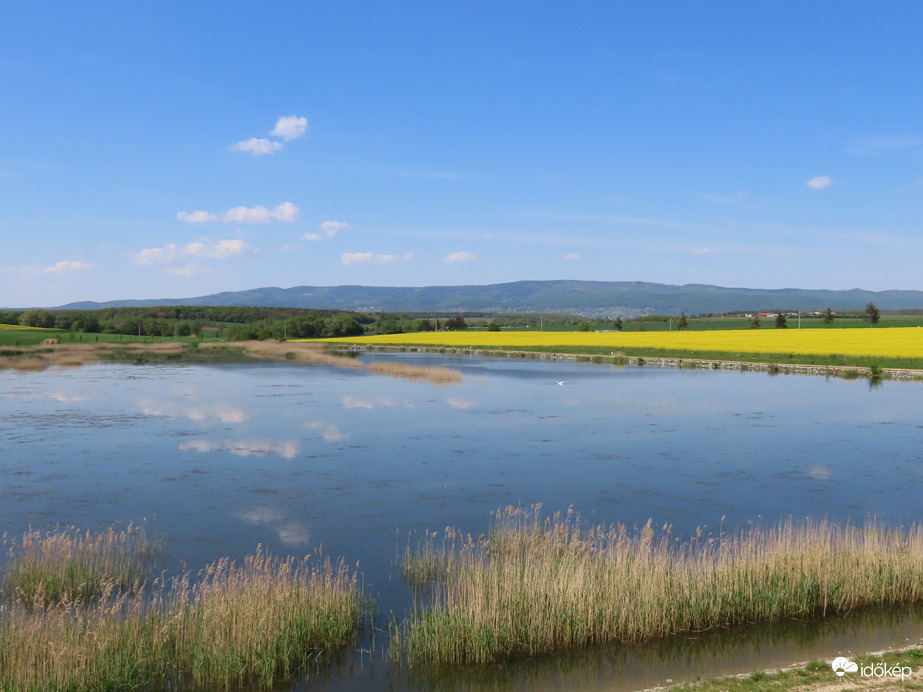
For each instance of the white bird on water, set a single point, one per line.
(560, 384)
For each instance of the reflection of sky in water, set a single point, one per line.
(226, 457)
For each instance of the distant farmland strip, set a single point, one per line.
(893, 343)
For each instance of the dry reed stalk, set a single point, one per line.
(536, 585)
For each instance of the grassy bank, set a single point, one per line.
(817, 676)
(887, 348)
(536, 585)
(108, 627)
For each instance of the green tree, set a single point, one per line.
(583, 327)
(618, 323)
(36, 318)
(781, 321)
(828, 316)
(755, 322)
(493, 326)
(343, 325)
(872, 313)
(456, 323)
(424, 325)
(683, 320)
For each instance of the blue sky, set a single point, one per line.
(175, 149)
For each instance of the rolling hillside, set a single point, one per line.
(591, 298)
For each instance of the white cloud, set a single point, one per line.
(331, 228)
(171, 252)
(701, 251)
(328, 230)
(461, 257)
(197, 216)
(289, 127)
(370, 258)
(257, 147)
(356, 258)
(220, 250)
(244, 448)
(285, 212)
(571, 256)
(287, 449)
(331, 432)
(820, 182)
(63, 267)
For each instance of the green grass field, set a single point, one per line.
(27, 337)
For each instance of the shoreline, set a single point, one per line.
(845, 371)
(776, 677)
(318, 352)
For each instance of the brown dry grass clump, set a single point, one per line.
(60, 355)
(314, 354)
(67, 356)
(433, 373)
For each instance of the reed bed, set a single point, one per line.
(254, 623)
(311, 353)
(72, 566)
(59, 355)
(263, 620)
(114, 642)
(433, 373)
(540, 584)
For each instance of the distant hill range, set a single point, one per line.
(590, 298)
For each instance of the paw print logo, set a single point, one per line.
(841, 666)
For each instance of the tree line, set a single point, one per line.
(230, 323)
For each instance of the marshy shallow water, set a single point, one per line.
(222, 458)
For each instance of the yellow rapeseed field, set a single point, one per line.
(895, 342)
(17, 327)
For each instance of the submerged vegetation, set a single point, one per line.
(109, 626)
(538, 584)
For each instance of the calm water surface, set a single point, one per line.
(222, 458)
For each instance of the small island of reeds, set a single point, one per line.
(81, 611)
(535, 585)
